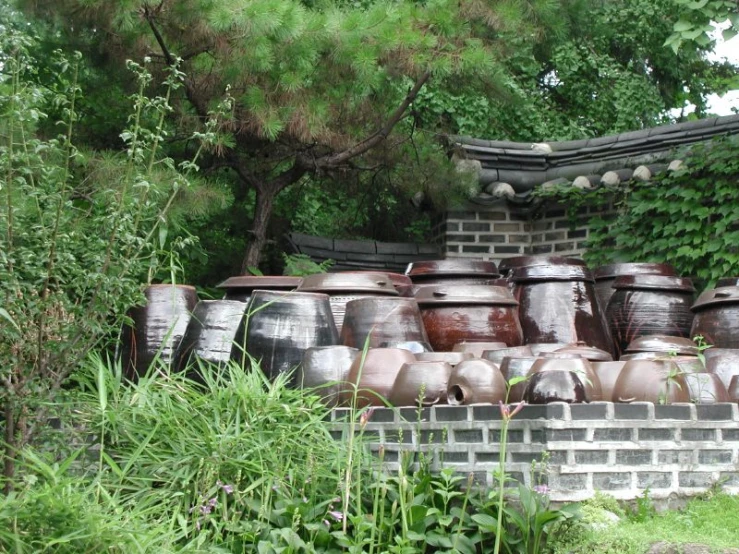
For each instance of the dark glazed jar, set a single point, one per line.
(649, 305)
(325, 369)
(158, 327)
(717, 317)
(421, 383)
(727, 282)
(656, 381)
(452, 271)
(558, 304)
(555, 386)
(477, 348)
(706, 388)
(402, 283)
(516, 368)
(724, 362)
(562, 361)
(345, 287)
(476, 382)
(605, 275)
(281, 326)
(374, 377)
(496, 356)
(389, 322)
(452, 314)
(507, 266)
(607, 373)
(240, 287)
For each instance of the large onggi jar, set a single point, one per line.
(717, 317)
(605, 275)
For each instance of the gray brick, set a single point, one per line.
(460, 238)
(451, 413)
(542, 225)
(634, 457)
(630, 411)
(653, 480)
(507, 227)
(537, 436)
(730, 434)
(337, 435)
(591, 457)
(341, 414)
(565, 434)
(559, 235)
(518, 238)
(588, 411)
(452, 227)
(387, 455)
(401, 436)
(558, 457)
(500, 239)
(476, 227)
(612, 435)
(672, 411)
(714, 457)
(461, 215)
(451, 248)
(454, 457)
(522, 215)
(611, 481)
(487, 457)
(507, 249)
(515, 477)
(694, 479)
(681, 457)
(714, 412)
(562, 224)
(492, 216)
(530, 411)
(371, 435)
(525, 457)
(513, 436)
(476, 249)
(564, 246)
(698, 434)
(577, 234)
(436, 436)
(414, 415)
(656, 434)
(486, 413)
(729, 478)
(542, 249)
(383, 415)
(468, 435)
(571, 481)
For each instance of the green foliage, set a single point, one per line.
(698, 19)
(301, 265)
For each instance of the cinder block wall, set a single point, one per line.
(621, 449)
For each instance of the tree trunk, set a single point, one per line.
(262, 214)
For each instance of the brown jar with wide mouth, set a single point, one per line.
(240, 287)
(453, 314)
(452, 271)
(656, 381)
(421, 384)
(563, 361)
(384, 322)
(649, 305)
(605, 275)
(475, 382)
(716, 317)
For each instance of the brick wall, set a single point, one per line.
(621, 449)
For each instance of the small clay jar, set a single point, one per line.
(605, 275)
(402, 283)
(421, 384)
(475, 382)
(607, 373)
(476, 348)
(649, 305)
(452, 272)
(706, 388)
(516, 369)
(662, 345)
(374, 376)
(452, 314)
(723, 362)
(733, 389)
(496, 356)
(590, 353)
(325, 370)
(727, 282)
(555, 386)
(657, 381)
(240, 287)
(452, 358)
(717, 317)
(539, 348)
(384, 322)
(557, 361)
(508, 265)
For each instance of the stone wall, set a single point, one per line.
(502, 230)
(621, 449)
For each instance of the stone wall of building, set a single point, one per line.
(621, 449)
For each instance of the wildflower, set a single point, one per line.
(228, 489)
(365, 417)
(337, 515)
(506, 412)
(541, 489)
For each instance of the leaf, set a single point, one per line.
(6, 316)
(729, 34)
(682, 25)
(488, 522)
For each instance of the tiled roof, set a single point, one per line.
(512, 169)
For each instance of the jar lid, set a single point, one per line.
(432, 268)
(663, 344)
(376, 283)
(551, 273)
(261, 282)
(716, 297)
(727, 282)
(507, 264)
(465, 294)
(588, 352)
(616, 270)
(654, 282)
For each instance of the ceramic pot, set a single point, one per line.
(475, 382)
(281, 326)
(727, 282)
(325, 370)
(555, 386)
(723, 362)
(607, 373)
(717, 317)
(649, 305)
(663, 345)
(241, 286)
(508, 265)
(423, 383)
(558, 304)
(468, 312)
(496, 356)
(375, 378)
(211, 333)
(385, 320)
(605, 275)
(513, 368)
(657, 381)
(477, 348)
(158, 327)
(342, 288)
(402, 283)
(733, 389)
(417, 347)
(452, 272)
(557, 361)
(539, 348)
(588, 352)
(706, 388)
(452, 358)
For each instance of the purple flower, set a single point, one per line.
(541, 489)
(337, 515)
(506, 412)
(228, 489)
(365, 417)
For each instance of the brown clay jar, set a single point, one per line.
(514, 368)
(477, 348)
(663, 345)
(733, 389)
(374, 376)
(325, 369)
(469, 312)
(706, 388)
(556, 361)
(555, 386)
(723, 362)
(717, 317)
(657, 381)
(452, 358)
(240, 287)
(385, 323)
(476, 382)
(607, 373)
(605, 275)
(649, 305)
(496, 356)
(452, 272)
(402, 283)
(421, 384)
(590, 353)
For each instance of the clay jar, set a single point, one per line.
(717, 317)
(607, 373)
(649, 305)
(733, 389)
(605, 275)
(374, 377)
(657, 381)
(588, 352)
(210, 333)
(706, 388)
(344, 287)
(421, 383)
(558, 361)
(476, 382)
(558, 304)
(452, 314)
(496, 356)
(662, 345)
(386, 321)
(456, 272)
(240, 287)
(508, 265)
(513, 368)
(158, 327)
(723, 362)
(281, 326)
(402, 283)
(555, 386)
(452, 358)
(325, 369)
(476, 348)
